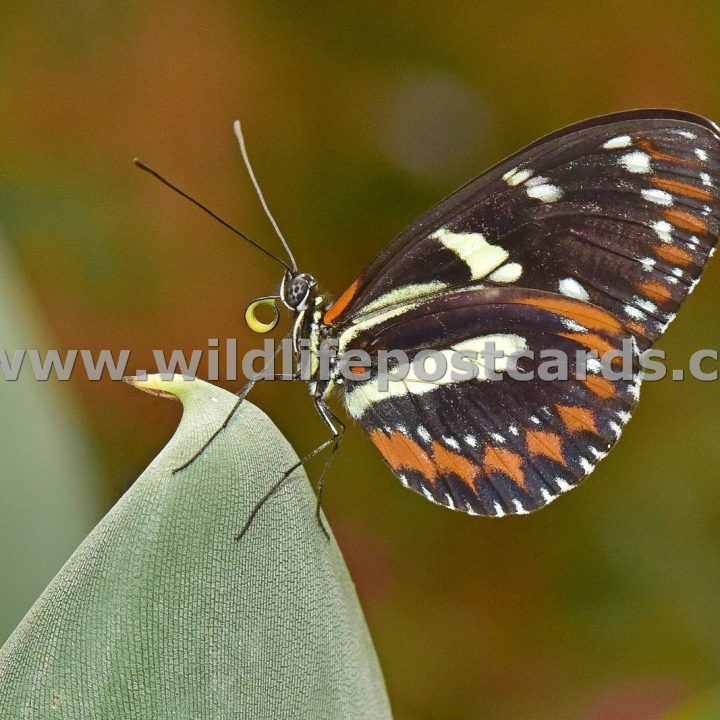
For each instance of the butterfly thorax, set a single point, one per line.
(301, 294)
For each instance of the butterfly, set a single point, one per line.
(588, 239)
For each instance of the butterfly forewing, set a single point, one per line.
(622, 211)
(588, 239)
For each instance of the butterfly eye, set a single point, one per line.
(254, 322)
(296, 291)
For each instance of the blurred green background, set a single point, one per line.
(358, 117)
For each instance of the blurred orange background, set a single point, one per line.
(358, 117)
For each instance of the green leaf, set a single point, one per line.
(49, 493)
(161, 614)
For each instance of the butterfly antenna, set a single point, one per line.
(139, 163)
(241, 140)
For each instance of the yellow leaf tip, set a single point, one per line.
(160, 384)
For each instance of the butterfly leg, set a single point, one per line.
(337, 427)
(328, 416)
(280, 482)
(241, 395)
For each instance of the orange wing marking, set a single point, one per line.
(403, 453)
(681, 188)
(685, 220)
(577, 418)
(505, 462)
(583, 313)
(602, 387)
(653, 152)
(654, 290)
(590, 341)
(545, 443)
(637, 328)
(334, 311)
(448, 462)
(673, 255)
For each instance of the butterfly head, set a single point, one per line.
(295, 289)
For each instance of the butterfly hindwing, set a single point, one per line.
(494, 447)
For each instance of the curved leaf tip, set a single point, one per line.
(161, 614)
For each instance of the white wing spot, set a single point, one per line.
(427, 494)
(509, 345)
(677, 272)
(663, 229)
(547, 497)
(516, 176)
(706, 179)
(499, 439)
(702, 155)
(535, 419)
(403, 294)
(546, 193)
(686, 134)
(471, 440)
(514, 430)
(452, 442)
(423, 433)
(562, 485)
(644, 304)
(572, 325)
(620, 141)
(537, 180)
(474, 250)
(659, 197)
(572, 288)
(648, 263)
(519, 509)
(449, 501)
(693, 240)
(636, 162)
(586, 465)
(499, 512)
(510, 272)
(634, 312)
